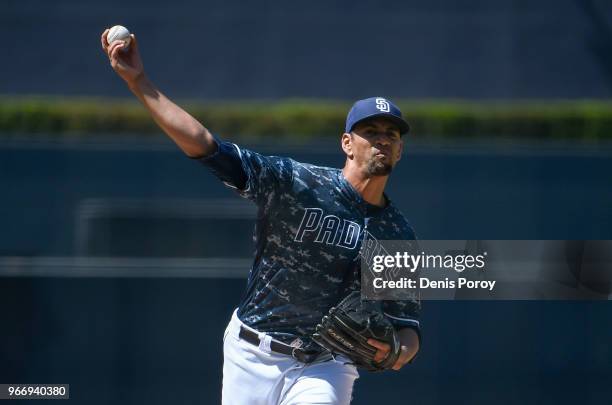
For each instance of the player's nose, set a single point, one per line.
(382, 139)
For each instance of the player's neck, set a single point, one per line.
(370, 188)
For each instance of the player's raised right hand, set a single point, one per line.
(126, 62)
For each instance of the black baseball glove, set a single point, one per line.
(349, 325)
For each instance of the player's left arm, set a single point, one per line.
(404, 315)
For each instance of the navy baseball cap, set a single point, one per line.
(375, 107)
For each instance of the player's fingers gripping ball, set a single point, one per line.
(349, 325)
(119, 33)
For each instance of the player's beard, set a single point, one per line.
(376, 167)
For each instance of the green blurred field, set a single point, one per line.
(584, 119)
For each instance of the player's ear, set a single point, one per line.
(347, 144)
(400, 150)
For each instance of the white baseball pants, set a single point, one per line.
(256, 376)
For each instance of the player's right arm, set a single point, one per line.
(187, 132)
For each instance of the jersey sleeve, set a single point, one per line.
(404, 314)
(252, 175)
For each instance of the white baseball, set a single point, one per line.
(119, 33)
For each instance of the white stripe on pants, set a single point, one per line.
(255, 376)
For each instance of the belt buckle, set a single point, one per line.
(296, 353)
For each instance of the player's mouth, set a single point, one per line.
(381, 154)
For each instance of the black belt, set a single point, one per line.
(279, 347)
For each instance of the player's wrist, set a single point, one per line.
(138, 83)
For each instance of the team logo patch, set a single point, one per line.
(382, 104)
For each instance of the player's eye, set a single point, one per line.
(393, 134)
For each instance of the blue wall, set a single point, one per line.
(463, 192)
(342, 49)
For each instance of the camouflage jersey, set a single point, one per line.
(310, 225)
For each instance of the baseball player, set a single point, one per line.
(311, 225)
